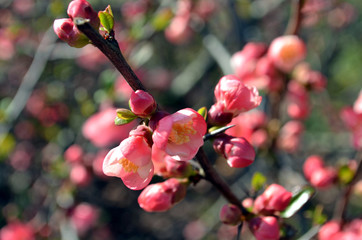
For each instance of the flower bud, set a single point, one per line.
(311, 164)
(73, 154)
(274, 198)
(83, 9)
(230, 214)
(162, 196)
(17, 230)
(217, 117)
(79, 175)
(238, 152)
(265, 228)
(144, 132)
(66, 30)
(328, 230)
(286, 52)
(142, 103)
(323, 177)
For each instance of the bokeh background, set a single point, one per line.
(57, 109)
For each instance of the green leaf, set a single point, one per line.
(258, 181)
(106, 18)
(203, 112)
(345, 174)
(162, 19)
(298, 200)
(124, 116)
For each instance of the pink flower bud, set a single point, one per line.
(162, 196)
(180, 134)
(323, 177)
(286, 52)
(311, 164)
(179, 32)
(230, 214)
(217, 117)
(328, 230)
(298, 101)
(142, 103)
(274, 198)
(236, 97)
(265, 228)
(238, 151)
(130, 161)
(17, 231)
(73, 154)
(290, 134)
(66, 30)
(83, 9)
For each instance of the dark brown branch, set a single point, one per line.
(340, 213)
(295, 17)
(214, 178)
(111, 49)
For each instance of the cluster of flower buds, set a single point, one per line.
(317, 174)
(333, 230)
(265, 228)
(352, 117)
(67, 30)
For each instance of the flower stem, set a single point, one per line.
(110, 48)
(295, 18)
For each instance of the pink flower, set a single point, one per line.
(101, 130)
(238, 151)
(65, 29)
(84, 217)
(179, 32)
(79, 175)
(73, 154)
(83, 9)
(323, 177)
(230, 214)
(298, 101)
(142, 103)
(17, 231)
(236, 97)
(180, 134)
(286, 52)
(265, 228)
(274, 198)
(130, 161)
(162, 196)
(357, 106)
(328, 230)
(290, 134)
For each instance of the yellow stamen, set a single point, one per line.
(127, 165)
(180, 131)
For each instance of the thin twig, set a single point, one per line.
(295, 19)
(111, 49)
(214, 178)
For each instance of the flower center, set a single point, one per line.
(180, 132)
(128, 166)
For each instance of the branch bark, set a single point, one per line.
(295, 18)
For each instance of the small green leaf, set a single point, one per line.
(203, 112)
(106, 18)
(298, 200)
(124, 116)
(162, 19)
(258, 181)
(345, 174)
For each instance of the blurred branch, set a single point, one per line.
(110, 48)
(214, 178)
(295, 17)
(341, 208)
(30, 79)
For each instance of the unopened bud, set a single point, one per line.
(83, 9)
(66, 30)
(142, 103)
(230, 214)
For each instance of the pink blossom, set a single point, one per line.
(323, 177)
(357, 106)
(142, 103)
(101, 130)
(162, 196)
(84, 217)
(230, 214)
(180, 134)
(311, 79)
(328, 230)
(286, 52)
(298, 101)
(65, 29)
(236, 97)
(265, 228)
(79, 175)
(83, 9)
(17, 231)
(130, 161)
(289, 136)
(179, 32)
(274, 198)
